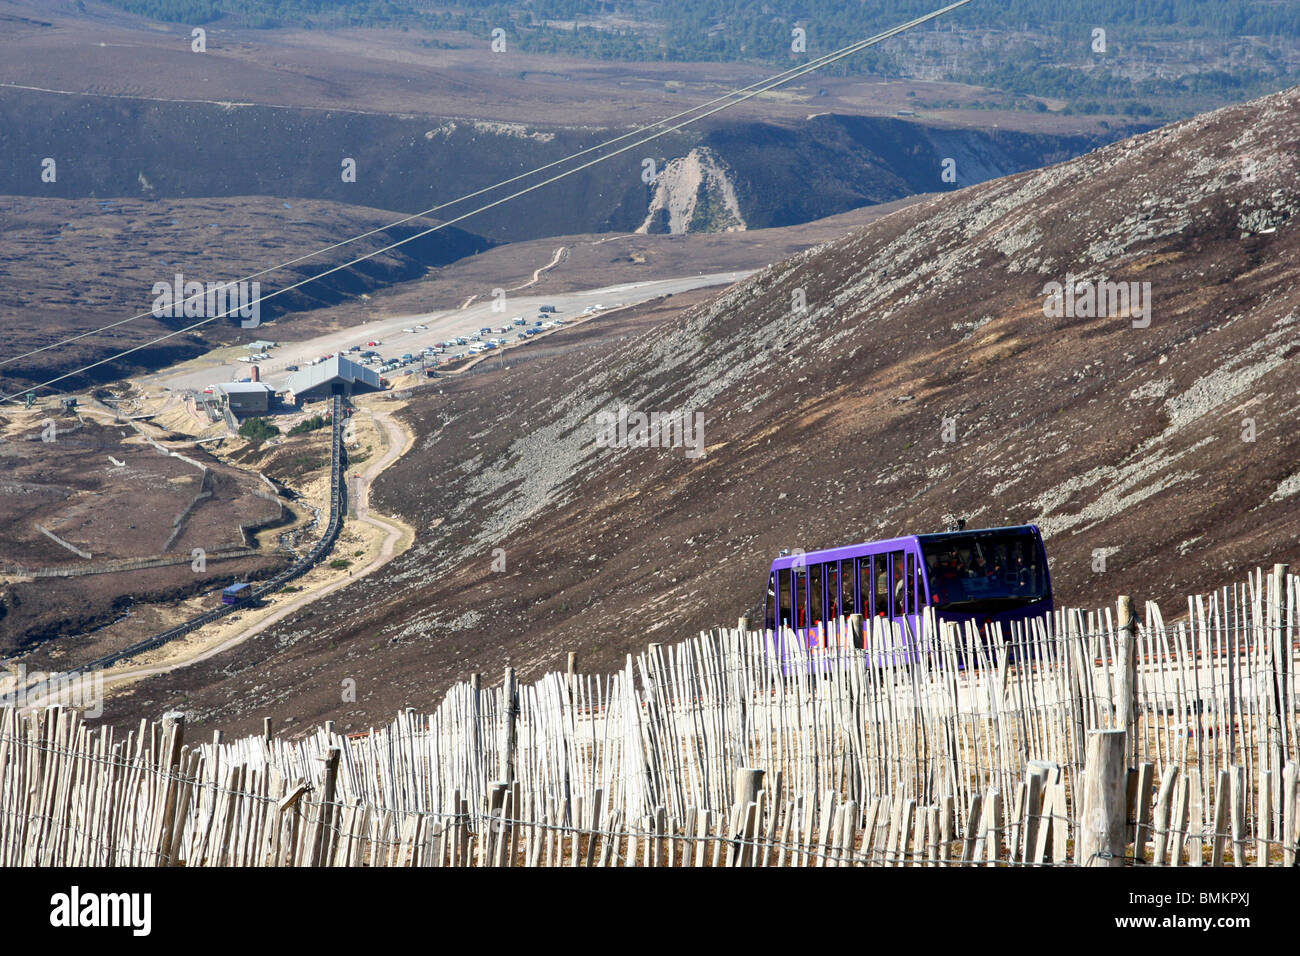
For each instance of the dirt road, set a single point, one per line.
(399, 442)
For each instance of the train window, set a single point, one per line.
(898, 583)
(864, 586)
(846, 588)
(815, 594)
(909, 586)
(832, 591)
(881, 574)
(801, 597)
(783, 577)
(769, 606)
(985, 569)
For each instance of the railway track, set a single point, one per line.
(338, 507)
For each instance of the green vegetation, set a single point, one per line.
(268, 14)
(174, 11)
(258, 430)
(309, 425)
(723, 29)
(340, 564)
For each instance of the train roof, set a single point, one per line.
(887, 544)
(967, 532)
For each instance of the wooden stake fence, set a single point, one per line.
(1079, 740)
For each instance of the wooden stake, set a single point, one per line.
(1102, 818)
(1145, 774)
(509, 714)
(1162, 814)
(1290, 813)
(1222, 801)
(174, 725)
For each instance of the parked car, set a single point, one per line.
(422, 328)
(374, 343)
(519, 320)
(291, 368)
(548, 308)
(409, 331)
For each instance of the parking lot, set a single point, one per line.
(400, 344)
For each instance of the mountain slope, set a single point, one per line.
(1169, 450)
(147, 149)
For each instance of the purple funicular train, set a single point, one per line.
(991, 576)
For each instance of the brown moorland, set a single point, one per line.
(1171, 448)
(72, 266)
(114, 501)
(98, 50)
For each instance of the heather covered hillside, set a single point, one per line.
(922, 378)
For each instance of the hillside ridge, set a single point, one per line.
(923, 378)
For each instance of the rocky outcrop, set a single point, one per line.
(693, 193)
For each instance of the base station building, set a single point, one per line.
(243, 398)
(336, 376)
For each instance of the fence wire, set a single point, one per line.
(1209, 708)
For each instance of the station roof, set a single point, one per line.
(233, 388)
(337, 368)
